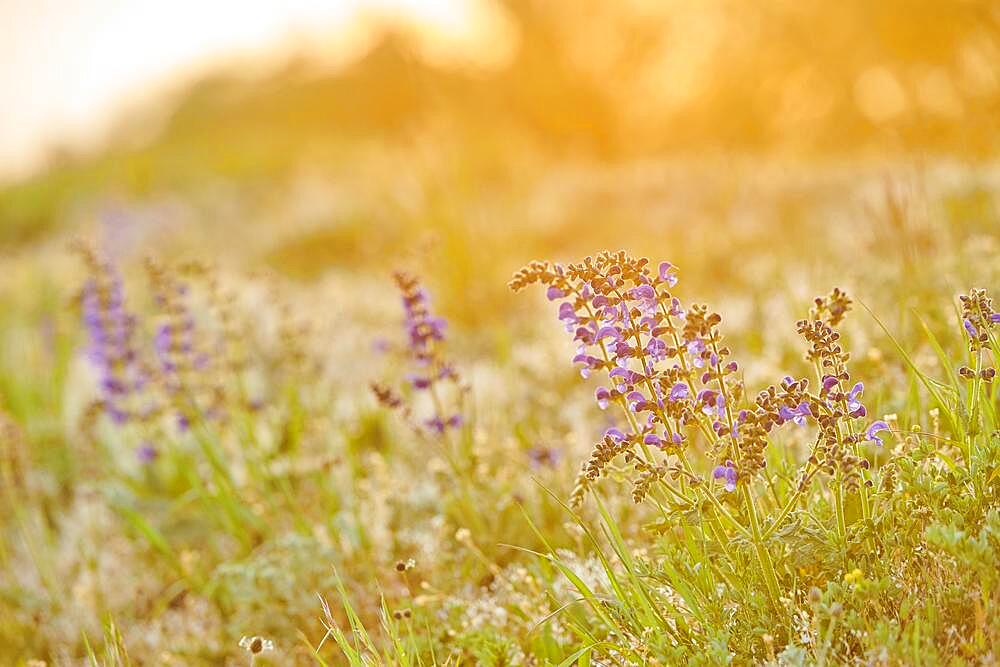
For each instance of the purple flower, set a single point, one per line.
(644, 292)
(872, 433)
(797, 415)
(854, 401)
(554, 293)
(544, 456)
(146, 453)
(679, 391)
(622, 350)
(995, 318)
(829, 382)
(419, 382)
(695, 348)
(615, 434)
(636, 401)
(608, 332)
(728, 473)
(627, 378)
(666, 275)
(590, 363)
(603, 397)
(712, 402)
(971, 328)
(656, 349)
(653, 440)
(567, 314)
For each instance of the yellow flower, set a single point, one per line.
(854, 576)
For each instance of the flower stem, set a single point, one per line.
(763, 556)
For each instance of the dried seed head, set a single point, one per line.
(256, 645)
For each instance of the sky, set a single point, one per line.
(67, 67)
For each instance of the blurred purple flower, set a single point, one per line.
(727, 473)
(872, 433)
(541, 456)
(146, 453)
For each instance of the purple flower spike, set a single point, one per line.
(872, 433)
(679, 391)
(728, 473)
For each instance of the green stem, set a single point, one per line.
(786, 510)
(838, 501)
(763, 556)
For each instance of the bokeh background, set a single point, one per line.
(356, 133)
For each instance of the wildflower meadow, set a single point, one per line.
(667, 336)
(207, 463)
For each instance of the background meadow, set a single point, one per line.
(213, 406)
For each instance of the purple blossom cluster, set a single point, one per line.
(978, 318)
(143, 378)
(182, 350)
(670, 373)
(666, 365)
(425, 334)
(111, 331)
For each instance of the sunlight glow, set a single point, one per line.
(67, 67)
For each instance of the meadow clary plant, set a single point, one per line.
(669, 372)
(111, 329)
(428, 369)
